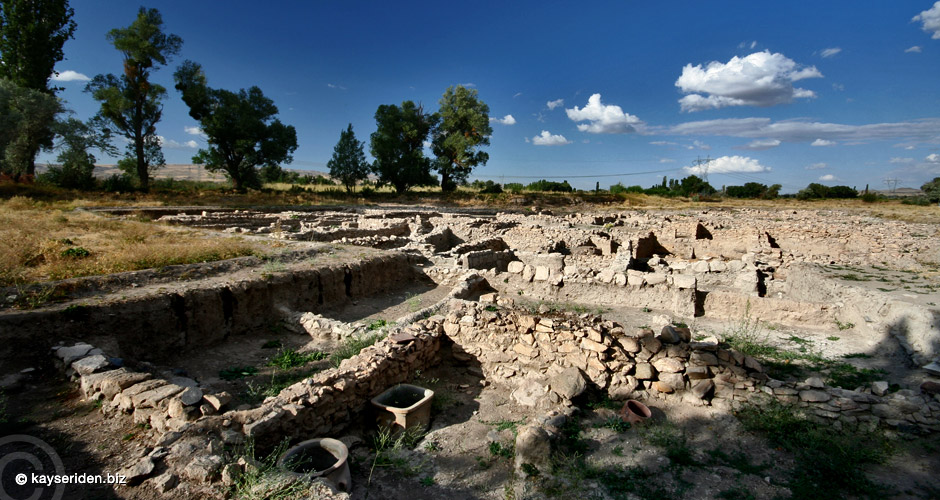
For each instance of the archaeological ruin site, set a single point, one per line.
(419, 352)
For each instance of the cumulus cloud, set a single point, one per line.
(760, 79)
(194, 130)
(916, 49)
(932, 158)
(69, 76)
(760, 144)
(603, 118)
(728, 165)
(828, 178)
(548, 139)
(171, 144)
(930, 21)
(556, 103)
(816, 166)
(506, 120)
(822, 142)
(830, 52)
(924, 130)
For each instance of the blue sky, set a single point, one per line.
(836, 92)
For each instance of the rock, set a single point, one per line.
(669, 335)
(700, 267)
(488, 298)
(218, 400)
(529, 393)
(684, 281)
(541, 273)
(814, 396)
(203, 468)
(815, 382)
(663, 387)
(569, 384)
(629, 344)
(527, 273)
(590, 345)
(674, 380)
(879, 388)
(655, 278)
(12, 381)
(165, 482)
(752, 364)
(111, 382)
(151, 398)
(71, 354)
(139, 471)
(928, 387)
(702, 358)
(703, 389)
(697, 372)
(516, 267)
(933, 368)
(191, 396)
(668, 365)
(706, 344)
(90, 364)
(533, 447)
(645, 371)
(651, 344)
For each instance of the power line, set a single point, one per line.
(586, 176)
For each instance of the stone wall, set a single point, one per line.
(530, 353)
(156, 327)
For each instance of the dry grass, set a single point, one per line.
(41, 242)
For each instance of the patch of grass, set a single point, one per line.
(618, 451)
(847, 376)
(826, 460)
(502, 425)
(852, 277)
(289, 358)
(413, 301)
(76, 252)
(737, 460)
(237, 372)
(832, 338)
(427, 481)
(351, 347)
(377, 324)
(861, 355)
(844, 326)
(669, 437)
(498, 449)
(530, 470)
(278, 382)
(615, 423)
(262, 480)
(386, 445)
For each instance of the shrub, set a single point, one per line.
(514, 187)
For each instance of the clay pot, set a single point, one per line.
(319, 458)
(403, 407)
(635, 412)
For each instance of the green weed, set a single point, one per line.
(237, 372)
(351, 347)
(289, 358)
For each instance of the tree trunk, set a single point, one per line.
(142, 173)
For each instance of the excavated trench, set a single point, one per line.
(558, 282)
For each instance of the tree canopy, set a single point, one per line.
(398, 145)
(932, 190)
(348, 163)
(131, 102)
(76, 165)
(463, 129)
(241, 127)
(32, 33)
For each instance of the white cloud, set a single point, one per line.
(761, 144)
(666, 160)
(830, 52)
(69, 76)
(828, 178)
(822, 142)
(838, 86)
(699, 145)
(816, 166)
(932, 158)
(924, 130)
(506, 120)
(335, 86)
(744, 45)
(194, 130)
(915, 49)
(728, 165)
(901, 160)
(930, 21)
(548, 139)
(468, 85)
(554, 104)
(171, 144)
(517, 94)
(760, 79)
(603, 118)
(664, 143)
